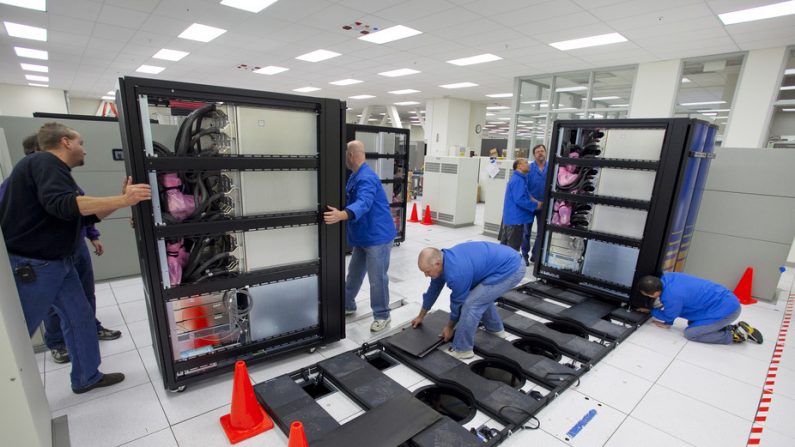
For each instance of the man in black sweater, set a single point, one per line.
(41, 217)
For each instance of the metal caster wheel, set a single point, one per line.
(397, 244)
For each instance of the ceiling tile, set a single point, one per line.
(559, 9)
(113, 15)
(82, 9)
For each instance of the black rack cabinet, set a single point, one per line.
(621, 201)
(387, 153)
(236, 262)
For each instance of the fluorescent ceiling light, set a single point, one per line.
(373, 119)
(702, 103)
(111, 93)
(38, 5)
(576, 88)
(270, 70)
(404, 91)
(345, 82)
(686, 80)
(606, 98)
(34, 67)
(760, 13)
(497, 108)
(151, 69)
(566, 108)
(537, 101)
(710, 114)
(479, 59)
(109, 98)
(407, 103)
(318, 55)
(33, 84)
(398, 72)
(361, 97)
(306, 89)
(30, 53)
(37, 78)
(618, 105)
(788, 87)
(789, 71)
(592, 41)
(714, 110)
(390, 34)
(500, 95)
(788, 110)
(459, 85)
(202, 33)
(25, 31)
(490, 114)
(254, 6)
(170, 55)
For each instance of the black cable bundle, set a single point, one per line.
(209, 256)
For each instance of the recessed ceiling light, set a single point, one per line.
(361, 97)
(459, 85)
(390, 34)
(170, 55)
(537, 101)
(318, 55)
(407, 103)
(714, 110)
(576, 88)
(497, 108)
(618, 105)
(702, 103)
(788, 110)
(373, 119)
(25, 31)
(788, 87)
(38, 5)
(109, 98)
(306, 89)
(30, 53)
(202, 33)
(404, 91)
(254, 6)
(111, 93)
(37, 78)
(710, 114)
(606, 98)
(345, 82)
(151, 69)
(472, 60)
(789, 71)
(490, 114)
(33, 84)
(270, 70)
(686, 80)
(398, 72)
(592, 41)
(760, 13)
(500, 95)
(34, 67)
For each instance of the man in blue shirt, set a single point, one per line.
(477, 273)
(708, 307)
(536, 185)
(371, 232)
(517, 209)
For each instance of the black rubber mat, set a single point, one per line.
(286, 402)
(423, 339)
(574, 297)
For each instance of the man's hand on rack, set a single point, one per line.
(334, 215)
(134, 193)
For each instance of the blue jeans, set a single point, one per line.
(374, 261)
(57, 286)
(479, 306)
(717, 333)
(53, 334)
(528, 228)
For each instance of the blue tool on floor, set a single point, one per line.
(573, 431)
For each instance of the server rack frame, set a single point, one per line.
(330, 191)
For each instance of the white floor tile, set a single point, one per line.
(205, 430)
(614, 386)
(127, 293)
(102, 285)
(724, 360)
(731, 395)
(561, 417)
(110, 316)
(689, 419)
(336, 348)
(105, 297)
(59, 390)
(772, 438)
(339, 406)
(115, 419)
(163, 438)
(633, 433)
(779, 418)
(526, 438)
(269, 369)
(404, 375)
(140, 333)
(642, 362)
(664, 342)
(123, 282)
(121, 344)
(134, 311)
(785, 382)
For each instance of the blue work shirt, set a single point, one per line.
(371, 221)
(467, 265)
(517, 207)
(697, 300)
(537, 181)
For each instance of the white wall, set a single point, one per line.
(83, 106)
(655, 89)
(21, 100)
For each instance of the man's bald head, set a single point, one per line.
(431, 262)
(354, 156)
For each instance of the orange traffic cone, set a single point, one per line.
(247, 418)
(426, 217)
(297, 435)
(414, 217)
(743, 289)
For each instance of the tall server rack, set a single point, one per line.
(235, 261)
(620, 194)
(387, 153)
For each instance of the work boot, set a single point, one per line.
(738, 334)
(751, 332)
(106, 380)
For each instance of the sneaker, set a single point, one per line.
(60, 355)
(462, 355)
(738, 335)
(527, 262)
(106, 380)
(751, 332)
(108, 334)
(379, 325)
(349, 312)
(501, 334)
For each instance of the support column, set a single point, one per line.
(365, 115)
(757, 90)
(394, 117)
(449, 126)
(655, 89)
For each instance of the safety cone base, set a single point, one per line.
(236, 435)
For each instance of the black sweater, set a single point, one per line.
(39, 213)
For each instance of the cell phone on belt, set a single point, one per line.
(26, 273)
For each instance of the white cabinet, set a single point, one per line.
(450, 189)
